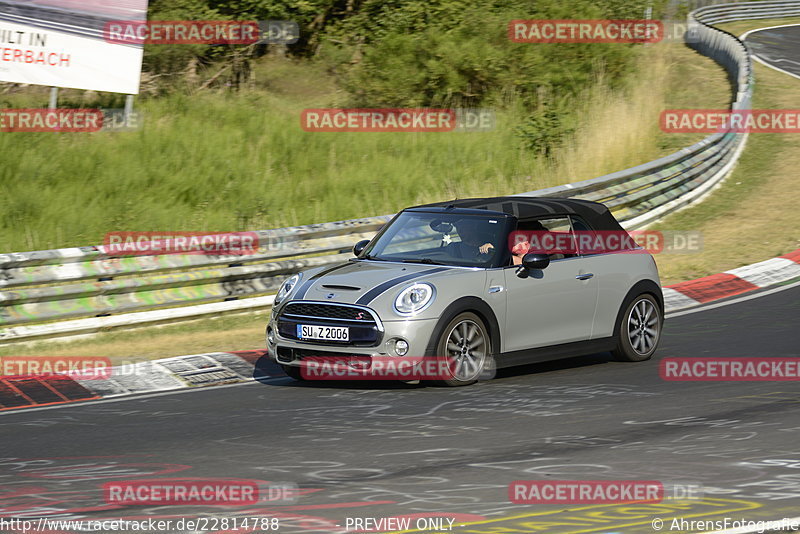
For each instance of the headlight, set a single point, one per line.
(286, 288)
(414, 299)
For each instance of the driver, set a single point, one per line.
(475, 239)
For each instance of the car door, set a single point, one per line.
(617, 264)
(553, 305)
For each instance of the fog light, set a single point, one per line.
(401, 347)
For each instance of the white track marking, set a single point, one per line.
(733, 301)
(744, 36)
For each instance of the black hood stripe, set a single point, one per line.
(310, 282)
(373, 293)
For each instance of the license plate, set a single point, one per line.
(326, 333)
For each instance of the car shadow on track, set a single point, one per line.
(556, 365)
(267, 371)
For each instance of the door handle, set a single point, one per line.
(584, 276)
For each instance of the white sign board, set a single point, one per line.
(61, 43)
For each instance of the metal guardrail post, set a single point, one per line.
(128, 108)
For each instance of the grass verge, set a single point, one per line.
(753, 215)
(219, 334)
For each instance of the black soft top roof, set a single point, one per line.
(597, 215)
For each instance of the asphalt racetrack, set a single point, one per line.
(777, 47)
(378, 450)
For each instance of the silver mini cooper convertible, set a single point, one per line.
(486, 283)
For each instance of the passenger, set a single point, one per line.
(527, 229)
(518, 251)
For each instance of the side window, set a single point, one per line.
(582, 232)
(552, 235)
(579, 225)
(590, 241)
(565, 245)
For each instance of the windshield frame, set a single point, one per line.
(506, 224)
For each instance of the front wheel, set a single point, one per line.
(466, 345)
(639, 331)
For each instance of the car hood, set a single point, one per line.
(361, 282)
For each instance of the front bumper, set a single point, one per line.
(416, 332)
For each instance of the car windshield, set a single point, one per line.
(437, 238)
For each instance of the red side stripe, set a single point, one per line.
(33, 392)
(794, 256)
(49, 403)
(250, 356)
(714, 287)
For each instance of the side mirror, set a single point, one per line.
(535, 261)
(360, 246)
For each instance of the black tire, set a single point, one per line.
(292, 372)
(639, 331)
(468, 363)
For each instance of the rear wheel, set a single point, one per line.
(639, 330)
(466, 345)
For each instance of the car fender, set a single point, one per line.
(642, 286)
(474, 304)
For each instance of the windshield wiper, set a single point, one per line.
(426, 261)
(373, 258)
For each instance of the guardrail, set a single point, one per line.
(716, 14)
(64, 284)
(79, 290)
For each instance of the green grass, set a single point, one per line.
(215, 162)
(217, 334)
(753, 215)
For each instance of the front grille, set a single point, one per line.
(327, 311)
(365, 330)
